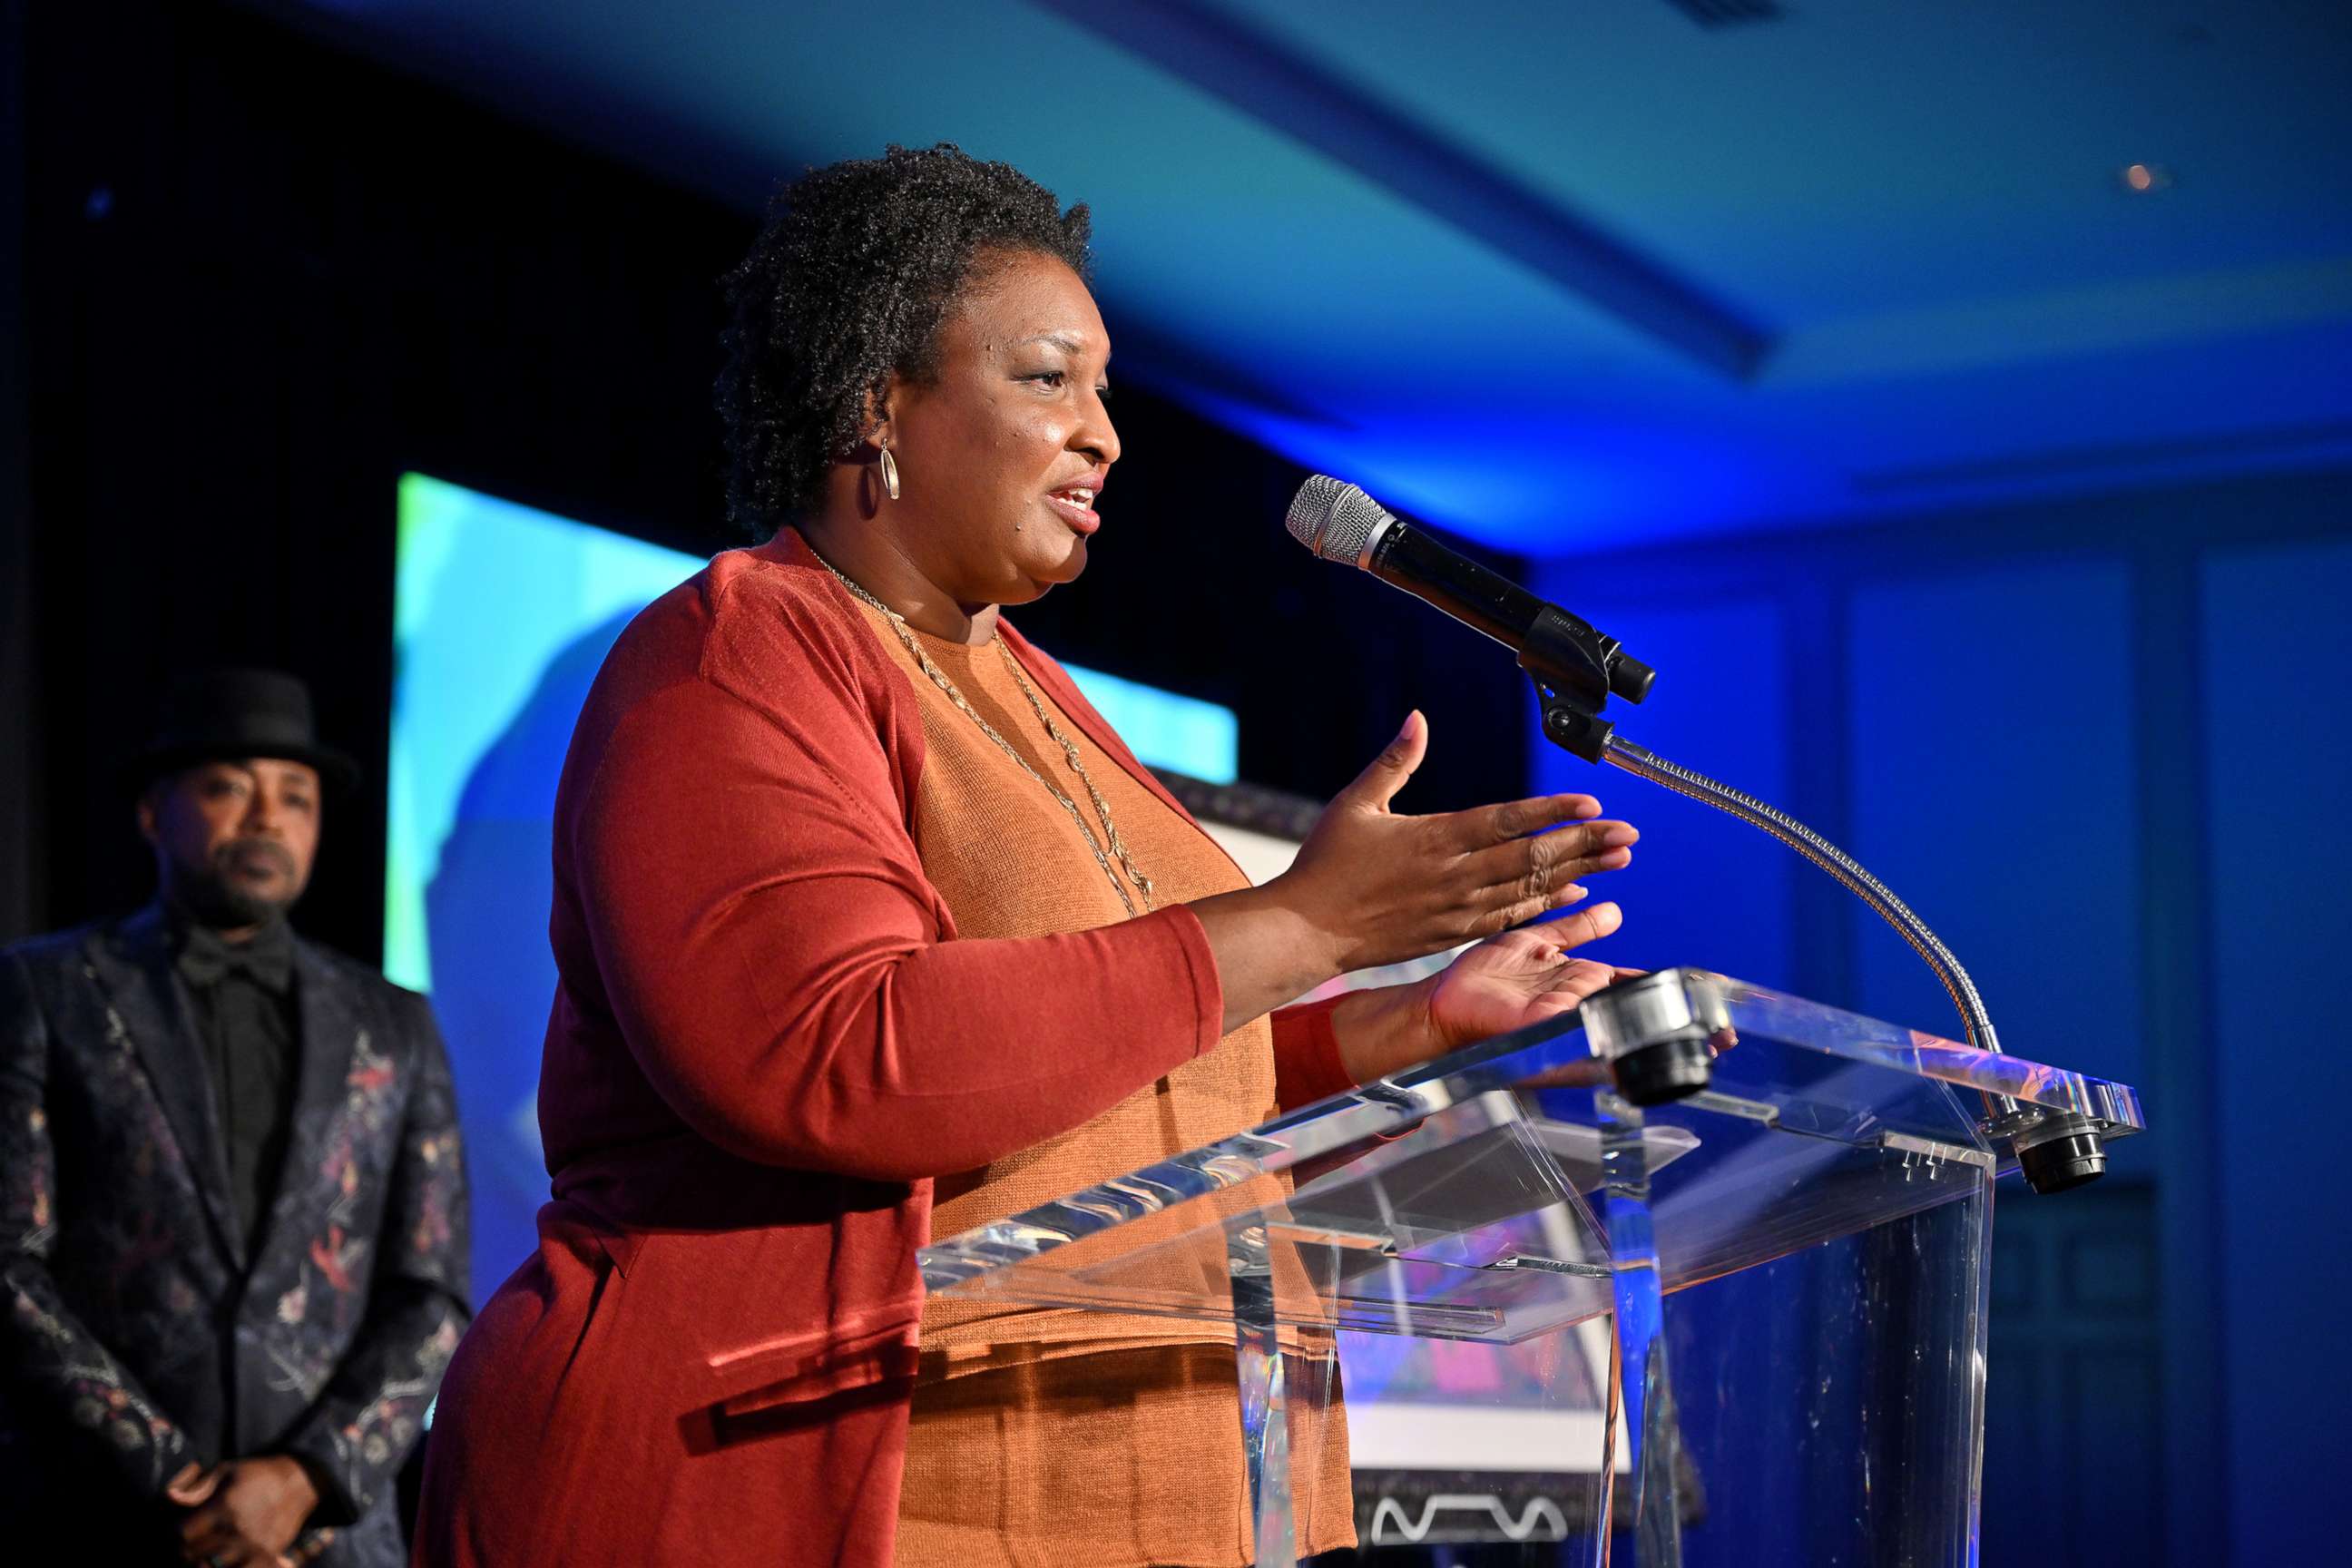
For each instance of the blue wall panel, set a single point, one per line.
(1702, 889)
(2278, 655)
(1992, 787)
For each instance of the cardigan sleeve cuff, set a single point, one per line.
(1201, 970)
(1306, 1066)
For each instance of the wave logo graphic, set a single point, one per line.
(1393, 1524)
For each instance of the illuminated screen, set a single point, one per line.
(502, 617)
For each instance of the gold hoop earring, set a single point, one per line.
(889, 473)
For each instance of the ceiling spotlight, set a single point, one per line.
(2141, 178)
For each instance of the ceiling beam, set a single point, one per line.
(1269, 80)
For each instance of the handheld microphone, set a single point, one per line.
(1341, 522)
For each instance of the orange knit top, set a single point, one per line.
(1058, 1436)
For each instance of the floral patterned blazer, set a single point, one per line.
(136, 1332)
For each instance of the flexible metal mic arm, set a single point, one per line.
(1622, 753)
(1572, 721)
(2055, 1150)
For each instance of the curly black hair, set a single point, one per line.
(848, 281)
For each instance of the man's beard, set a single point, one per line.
(214, 896)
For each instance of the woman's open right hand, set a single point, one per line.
(1384, 888)
(1372, 886)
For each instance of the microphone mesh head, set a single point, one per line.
(1333, 519)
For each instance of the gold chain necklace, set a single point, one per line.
(1069, 748)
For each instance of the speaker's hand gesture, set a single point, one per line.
(1504, 983)
(1382, 887)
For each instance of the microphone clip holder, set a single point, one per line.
(1572, 723)
(1577, 669)
(1574, 668)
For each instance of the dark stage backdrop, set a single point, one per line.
(270, 279)
(18, 801)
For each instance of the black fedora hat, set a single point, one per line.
(211, 715)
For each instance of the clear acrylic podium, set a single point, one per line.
(1746, 1326)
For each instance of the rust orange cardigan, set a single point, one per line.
(766, 1040)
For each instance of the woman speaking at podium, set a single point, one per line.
(869, 929)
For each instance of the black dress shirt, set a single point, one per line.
(243, 998)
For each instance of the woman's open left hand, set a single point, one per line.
(1519, 978)
(1506, 981)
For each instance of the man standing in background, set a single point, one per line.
(232, 1200)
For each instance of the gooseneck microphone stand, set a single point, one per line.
(1575, 670)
